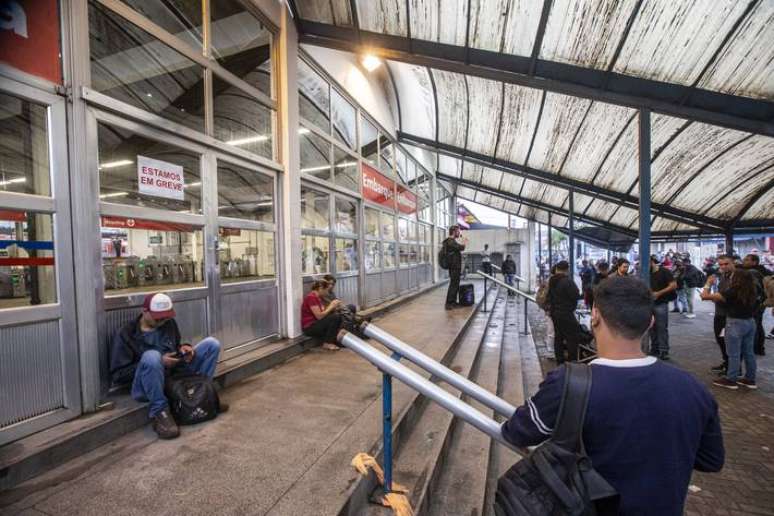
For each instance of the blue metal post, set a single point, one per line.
(645, 193)
(550, 249)
(540, 252)
(571, 233)
(387, 430)
(524, 300)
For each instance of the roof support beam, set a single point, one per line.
(539, 36)
(618, 198)
(741, 113)
(750, 203)
(539, 205)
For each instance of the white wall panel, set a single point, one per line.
(560, 120)
(485, 104)
(452, 107)
(520, 116)
(415, 93)
(443, 22)
(450, 166)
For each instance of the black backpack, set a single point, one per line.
(192, 398)
(443, 256)
(557, 478)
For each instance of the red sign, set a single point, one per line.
(13, 216)
(29, 37)
(227, 232)
(407, 200)
(152, 225)
(377, 188)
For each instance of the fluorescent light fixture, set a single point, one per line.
(193, 185)
(13, 181)
(347, 164)
(249, 139)
(316, 169)
(114, 164)
(304, 130)
(370, 62)
(114, 194)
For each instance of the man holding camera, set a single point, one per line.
(148, 349)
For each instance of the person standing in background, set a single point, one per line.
(752, 264)
(486, 260)
(663, 285)
(563, 295)
(453, 247)
(681, 303)
(509, 271)
(693, 279)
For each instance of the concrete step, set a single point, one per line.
(462, 480)
(420, 458)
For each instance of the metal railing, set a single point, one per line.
(390, 366)
(518, 279)
(527, 297)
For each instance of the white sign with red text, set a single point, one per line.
(160, 179)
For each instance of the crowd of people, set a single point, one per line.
(742, 289)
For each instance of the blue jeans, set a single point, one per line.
(740, 337)
(148, 384)
(659, 334)
(509, 281)
(681, 303)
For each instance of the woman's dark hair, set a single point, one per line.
(330, 279)
(626, 305)
(743, 284)
(317, 285)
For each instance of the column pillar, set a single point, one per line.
(571, 233)
(645, 193)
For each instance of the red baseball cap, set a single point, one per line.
(159, 306)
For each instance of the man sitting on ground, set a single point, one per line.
(148, 349)
(648, 424)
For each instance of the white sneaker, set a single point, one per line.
(690, 316)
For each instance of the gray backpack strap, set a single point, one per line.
(568, 430)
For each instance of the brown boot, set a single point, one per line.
(165, 426)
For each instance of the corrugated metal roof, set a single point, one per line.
(700, 172)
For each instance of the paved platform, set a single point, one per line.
(283, 448)
(745, 486)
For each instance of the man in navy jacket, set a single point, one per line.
(148, 349)
(648, 424)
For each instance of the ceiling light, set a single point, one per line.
(114, 164)
(371, 62)
(316, 169)
(193, 185)
(304, 130)
(249, 139)
(114, 194)
(13, 181)
(347, 164)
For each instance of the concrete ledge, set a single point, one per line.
(26, 458)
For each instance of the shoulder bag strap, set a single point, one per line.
(568, 430)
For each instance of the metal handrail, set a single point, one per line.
(503, 284)
(456, 380)
(448, 401)
(515, 276)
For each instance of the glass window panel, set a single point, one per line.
(389, 255)
(344, 119)
(122, 153)
(405, 252)
(245, 255)
(130, 65)
(426, 254)
(241, 44)
(24, 153)
(373, 257)
(345, 170)
(403, 229)
(244, 193)
(315, 155)
(315, 209)
(314, 99)
(182, 18)
(400, 165)
(346, 255)
(388, 226)
(423, 209)
(369, 147)
(372, 222)
(242, 121)
(146, 255)
(314, 254)
(386, 151)
(346, 216)
(414, 254)
(27, 268)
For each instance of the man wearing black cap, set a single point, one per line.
(146, 350)
(453, 247)
(563, 296)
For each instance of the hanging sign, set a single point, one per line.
(407, 200)
(13, 216)
(377, 188)
(29, 37)
(152, 225)
(160, 179)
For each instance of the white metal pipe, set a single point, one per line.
(519, 278)
(454, 405)
(457, 381)
(503, 284)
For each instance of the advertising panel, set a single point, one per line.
(29, 38)
(407, 201)
(377, 188)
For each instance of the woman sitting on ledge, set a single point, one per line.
(320, 321)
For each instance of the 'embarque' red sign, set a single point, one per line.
(377, 188)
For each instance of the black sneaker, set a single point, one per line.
(726, 384)
(164, 425)
(747, 383)
(718, 369)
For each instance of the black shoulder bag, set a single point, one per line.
(192, 398)
(557, 478)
